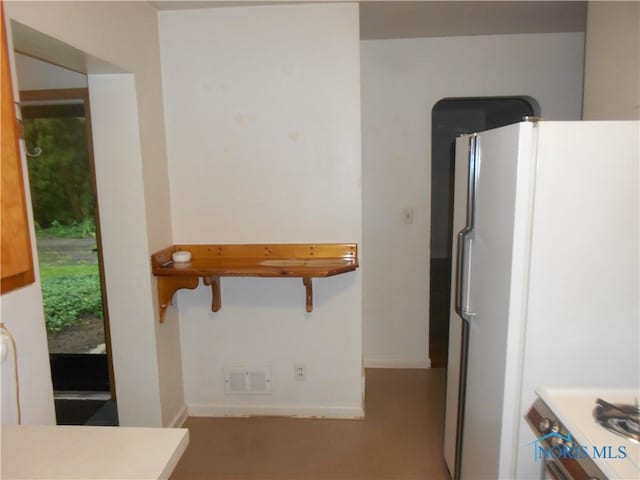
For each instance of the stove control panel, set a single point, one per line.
(560, 460)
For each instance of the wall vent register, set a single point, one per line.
(247, 381)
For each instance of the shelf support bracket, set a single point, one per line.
(167, 286)
(216, 297)
(309, 292)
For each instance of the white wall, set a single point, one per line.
(146, 354)
(34, 74)
(263, 120)
(21, 311)
(117, 147)
(401, 82)
(612, 61)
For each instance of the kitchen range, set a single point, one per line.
(589, 434)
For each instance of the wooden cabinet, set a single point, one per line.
(16, 261)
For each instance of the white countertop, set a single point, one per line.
(65, 452)
(574, 408)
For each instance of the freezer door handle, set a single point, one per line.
(462, 285)
(464, 240)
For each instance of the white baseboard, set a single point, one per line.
(393, 363)
(180, 418)
(286, 411)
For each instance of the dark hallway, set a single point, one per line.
(451, 118)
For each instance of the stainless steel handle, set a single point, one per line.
(463, 235)
(460, 268)
(463, 289)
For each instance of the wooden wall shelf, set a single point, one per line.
(210, 262)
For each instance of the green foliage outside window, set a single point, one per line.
(60, 176)
(67, 298)
(63, 207)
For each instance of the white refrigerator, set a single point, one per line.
(545, 283)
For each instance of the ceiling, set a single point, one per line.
(391, 19)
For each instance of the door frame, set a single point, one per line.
(82, 94)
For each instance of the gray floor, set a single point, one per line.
(86, 408)
(401, 438)
(106, 416)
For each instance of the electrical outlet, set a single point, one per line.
(300, 372)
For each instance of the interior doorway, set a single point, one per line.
(57, 132)
(452, 117)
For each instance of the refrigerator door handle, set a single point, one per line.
(463, 254)
(462, 285)
(459, 263)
